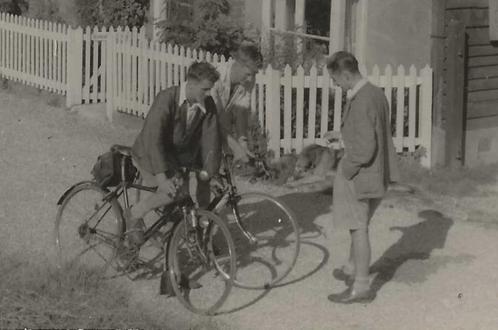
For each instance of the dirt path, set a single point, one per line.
(435, 264)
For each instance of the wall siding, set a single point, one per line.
(482, 59)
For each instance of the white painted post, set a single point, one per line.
(312, 104)
(325, 102)
(388, 89)
(260, 82)
(111, 78)
(400, 109)
(425, 121)
(287, 109)
(337, 25)
(266, 17)
(273, 111)
(74, 66)
(412, 108)
(299, 24)
(158, 13)
(299, 144)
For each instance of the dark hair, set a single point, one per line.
(343, 61)
(249, 54)
(202, 71)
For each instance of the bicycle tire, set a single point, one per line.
(78, 241)
(221, 263)
(265, 263)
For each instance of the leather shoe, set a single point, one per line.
(340, 275)
(351, 296)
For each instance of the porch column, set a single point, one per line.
(299, 23)
(337, 25)
(266, 15)
(157, 13)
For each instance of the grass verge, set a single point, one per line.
(42, 296)
(456, 182)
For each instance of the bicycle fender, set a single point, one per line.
(68, 191)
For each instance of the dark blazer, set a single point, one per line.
(165, 144)
(370, 159)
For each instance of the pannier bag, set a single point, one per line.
(107, 169)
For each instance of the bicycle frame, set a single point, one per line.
(230, 194)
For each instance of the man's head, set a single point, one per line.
(343, 68)
(248, 61)
(201, 77)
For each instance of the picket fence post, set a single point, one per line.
(110, 45)
(425, 121)
(74, 66)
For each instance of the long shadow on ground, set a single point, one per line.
(416, 243)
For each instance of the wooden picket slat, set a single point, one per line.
(287, 144)
(400, 109)
(260, 82)
(337, 108)
(388, 89)
(151, 77)
(324, 114)
(312, 103)
(169, 66)
(412, 108)
(299, 109)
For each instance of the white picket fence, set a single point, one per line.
(296, 121)
(125, 70)
(34, 52)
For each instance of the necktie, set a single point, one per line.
(191, 111)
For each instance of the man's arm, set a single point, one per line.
(211, 139)
(155, 130)
(364, 144)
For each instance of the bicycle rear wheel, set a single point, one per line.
(201, 263)
(88, 229)
(267, 245)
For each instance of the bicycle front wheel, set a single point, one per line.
(88, 229)
(266, 236)
(201, 263)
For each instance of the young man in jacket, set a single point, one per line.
(181, 129)
(232, 95)
(364, 173)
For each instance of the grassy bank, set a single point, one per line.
(45, 297)
(456, 182)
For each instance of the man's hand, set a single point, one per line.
(332, 136)
(240, 149)
(165, 185)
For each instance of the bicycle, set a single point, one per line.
(264, 229)
(196, 250)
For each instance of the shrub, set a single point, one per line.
(112, 12)
(207, 26)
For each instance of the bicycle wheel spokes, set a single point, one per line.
(268, 243)
(87, 229)
(202, 264)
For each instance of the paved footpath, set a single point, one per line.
(434, 269)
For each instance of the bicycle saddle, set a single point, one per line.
(124, 150)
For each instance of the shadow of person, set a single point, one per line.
(308, 207)
(416, 243)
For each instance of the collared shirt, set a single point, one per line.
(352, 93)
(192, 108)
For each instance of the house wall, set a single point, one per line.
(481, 84)
(398, 32)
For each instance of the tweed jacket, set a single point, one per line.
(234, 110)
(370, 159)
(165, 143)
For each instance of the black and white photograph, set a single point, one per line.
(249, 164)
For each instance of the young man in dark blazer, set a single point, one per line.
(364, 173)
(181, 129)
